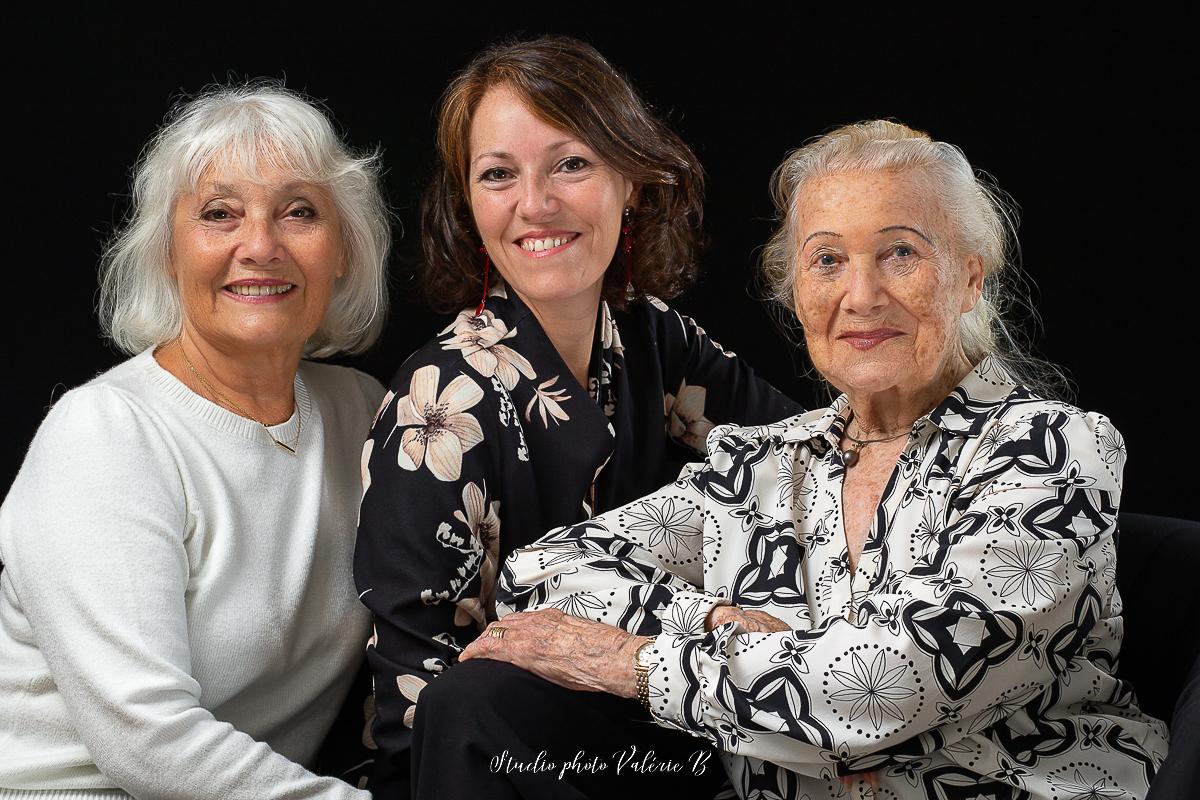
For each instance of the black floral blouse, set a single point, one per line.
(486, 441)
(970, 652)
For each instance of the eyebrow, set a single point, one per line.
(881, 230)
(819, 233)
(906, 228)
(501, 154)
(297, 188)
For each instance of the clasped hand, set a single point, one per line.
(583, 655)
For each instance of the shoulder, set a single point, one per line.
(671, 330)
(457, 350)
(452, 370)
(347, 399)
(648, 310)
(117, 406)
(1066, 438)
(723, 438)
(342, 384)
(102, 443)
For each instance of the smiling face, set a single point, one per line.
(880, 285)
(255, 261)
(548, 210)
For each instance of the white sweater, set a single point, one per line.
(178, 617)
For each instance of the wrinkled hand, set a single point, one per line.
(574, 653)
(750, 620)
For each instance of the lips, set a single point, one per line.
(865, 340)
(259, 290)
(543, 243)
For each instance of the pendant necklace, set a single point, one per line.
(213, 391)
(849, 456)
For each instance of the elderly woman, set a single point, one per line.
(909, 593)
(564, 387)
(177, 612)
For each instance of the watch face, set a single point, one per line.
(644, 659)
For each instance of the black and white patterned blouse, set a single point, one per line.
(970, 653)
(486, 441)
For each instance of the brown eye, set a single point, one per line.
(302, 212)
(573, 164)
(215, 215)
(495, 175)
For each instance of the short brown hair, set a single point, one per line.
(569, 85)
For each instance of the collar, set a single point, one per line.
(964, 412)
(507, 306)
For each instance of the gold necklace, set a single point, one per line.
(243, 412)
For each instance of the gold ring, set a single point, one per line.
(496, 631)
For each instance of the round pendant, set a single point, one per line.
(849, 458)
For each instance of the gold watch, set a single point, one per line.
(643, 662)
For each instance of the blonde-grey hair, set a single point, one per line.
(983, 218)
(245, 128)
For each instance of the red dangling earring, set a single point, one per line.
(487, 268)
(627, 245)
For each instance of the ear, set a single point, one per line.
(974, 288)
(632, 194)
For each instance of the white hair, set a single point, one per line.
(983, 218)
(245, 128)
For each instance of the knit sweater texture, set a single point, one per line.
(177, 613)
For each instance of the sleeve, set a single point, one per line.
(1020, 577)
(639, 566)
(707, 385)
(372, 391)
(92, 534)
(426, 558)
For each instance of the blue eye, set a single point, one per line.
(825, 261)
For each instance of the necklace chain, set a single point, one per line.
(212, 390)
(849, 456)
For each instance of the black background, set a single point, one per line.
(1083, 121)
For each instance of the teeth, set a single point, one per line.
(258, 290)
(537, 245)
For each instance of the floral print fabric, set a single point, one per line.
(486, 441)
(969, 654)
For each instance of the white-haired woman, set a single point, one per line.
(910, 593)
(177, 613)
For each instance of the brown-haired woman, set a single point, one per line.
(562, 210)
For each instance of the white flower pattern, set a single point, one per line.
(482, 519)
(479, 338)
(481, 447)
(444, 430)
(966, 622)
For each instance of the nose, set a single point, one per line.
(537, 199)
(260, 243)
(865, 293)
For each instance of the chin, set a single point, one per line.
(554, 290)
(264, 339)
(870, 377)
